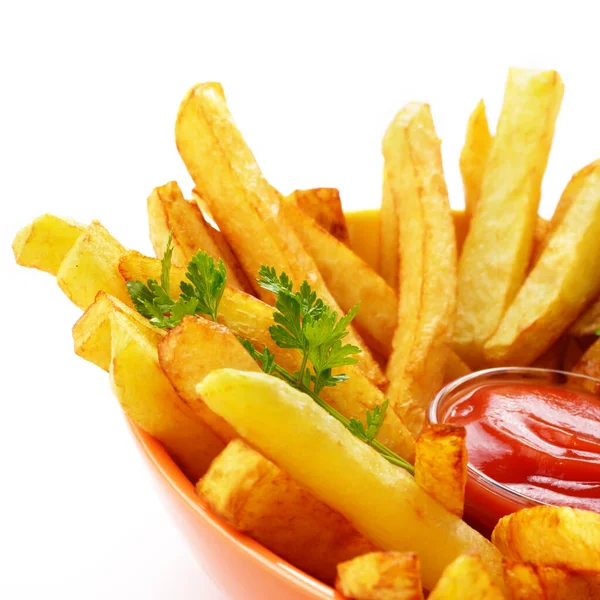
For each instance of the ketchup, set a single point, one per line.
(539, 440)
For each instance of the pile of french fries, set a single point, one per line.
(441, 292)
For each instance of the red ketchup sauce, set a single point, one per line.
(539, 440)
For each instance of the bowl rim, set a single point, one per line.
(477, 475)
(263, 557)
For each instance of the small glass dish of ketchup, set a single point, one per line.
(533, 437)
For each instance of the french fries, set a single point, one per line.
(170, 214)
(551, 536)
(44, 243)
(497, 249)
(441, 465)
(389, 236)
(260, 499)
(465, 579)
(413, 170)
(111, 335)
(363, 231)
(474, 156)
(377, 317)
(325, 207)
(381, 576)
(455, 368)
(383, 503)
(563, 281)
(250, 319)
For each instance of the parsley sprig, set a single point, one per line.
(302, 321)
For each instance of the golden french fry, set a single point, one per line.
(466, 579)
(563, 281)
(325, 207)
(363, 231)
(44, 243)
(474, 156)
(377, 317)
(441, 465)
(413, 166)
(522, 581)
(455, 368)
(112, 335)
(381, 576)
(497, 250)
(250, 319)
(170, 212)
(260, 499)
(389, 234)
(343, 471)
(244, 205)
(552, 536)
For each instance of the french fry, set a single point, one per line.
(551, 536)
(382, 501)
(112, 335)
(44, 243)
(413, 166)
(441, 465)
(244, 205)
(250, 319)
(258, 498)
(381, 576)
(389, 234)
(170, 212)
(497, 250)
(522, 581)
(324, 206)
(466, 579)
(455, 368)
(474, 156)
(377, 317)
(363, 230)
(563, 281)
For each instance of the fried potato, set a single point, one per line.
(363, 231)
(389, 234)
(455, 368)
(474, 156)
(552, 536)
(258, 498)
(112, 335)
(382, 501)
(250, 319)
(465, 579)
(526, 581)
(44, 243)
(381, 576)
(441, 465)
(245, 207)
(563, 281)
(170, 212)
(497, 250)
(413, 166)
(377, 317)
(325, 207)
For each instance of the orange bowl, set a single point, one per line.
(241, 567)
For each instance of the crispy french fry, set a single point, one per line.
(382, 501)
(381, 576)
(455, 368)
(260, 499)
(522, 581)
(363, 230)
(552, 536)
(170, 212)
(474, 156)
(413, 166)
(250, 319)
(244, 205)
(563, 281)
(497, 250)
(389, 234)
(377, 317)
(466, 579)
(325, 207)
(441, 465)
(44, 243)
(113, 336)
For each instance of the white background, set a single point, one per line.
(89, 93)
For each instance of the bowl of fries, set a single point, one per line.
(277, 357)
